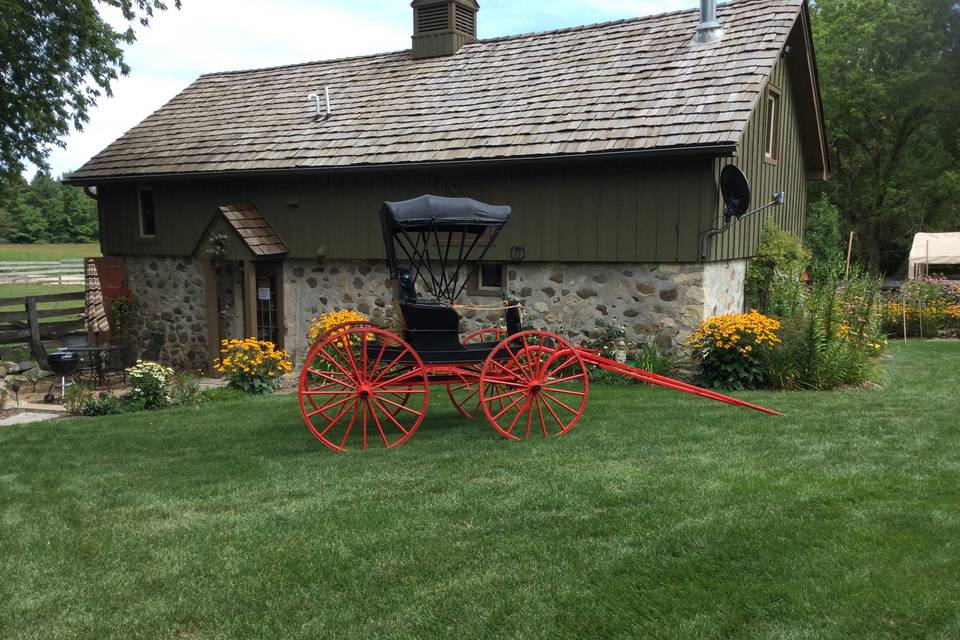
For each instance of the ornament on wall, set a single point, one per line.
(217, 246)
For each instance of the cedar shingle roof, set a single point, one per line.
(256, 233)
(630, 85)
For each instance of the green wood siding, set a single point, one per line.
(788, 174)
(627, 211)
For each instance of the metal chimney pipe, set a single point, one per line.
(709, 29)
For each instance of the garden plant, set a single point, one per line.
(253, 365)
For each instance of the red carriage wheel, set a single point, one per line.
(465, 394)
(362, 385)
(533, 382)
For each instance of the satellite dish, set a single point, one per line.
(735, 191)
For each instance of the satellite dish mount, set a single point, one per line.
(735, 189)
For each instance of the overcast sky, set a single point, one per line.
(221, 35)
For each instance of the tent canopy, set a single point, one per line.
(933, 248)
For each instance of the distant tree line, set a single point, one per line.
(890, 80)
(46, 210)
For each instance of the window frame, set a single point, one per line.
(773, 124)
(153, 202)
(476, 286)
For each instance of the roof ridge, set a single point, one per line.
(495, 39)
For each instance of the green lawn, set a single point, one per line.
(661, 515)
(37, 252)
(22, 290)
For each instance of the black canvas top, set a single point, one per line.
(426, 211)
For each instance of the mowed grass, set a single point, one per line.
(39, 252)
(659, 516)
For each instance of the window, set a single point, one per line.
(148, 216)
(772, 152)
(487, 279)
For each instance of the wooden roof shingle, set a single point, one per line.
(253, 229)
(630, 85)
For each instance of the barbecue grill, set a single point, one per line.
(63, 364)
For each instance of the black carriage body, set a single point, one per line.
(433, 244)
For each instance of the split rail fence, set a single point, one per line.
(42, 272)
(33, 319)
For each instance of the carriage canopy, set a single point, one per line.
(435, 242)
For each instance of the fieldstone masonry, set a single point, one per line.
(169, 291)
(573, 299)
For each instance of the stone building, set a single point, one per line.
(248, 203)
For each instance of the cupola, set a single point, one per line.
(441, 27)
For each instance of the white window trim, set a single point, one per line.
(771, 152)
(146, 236)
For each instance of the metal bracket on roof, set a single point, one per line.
(316, 98)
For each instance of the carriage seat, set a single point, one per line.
(431, 326)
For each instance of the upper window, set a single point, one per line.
(772, 148)
(148, 216)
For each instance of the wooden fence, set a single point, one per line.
(42, 272)
(40, 318)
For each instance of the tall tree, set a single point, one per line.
(890, 83)
(57, 57)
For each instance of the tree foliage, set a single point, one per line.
(46, 210)
(890, 79)
(821, 235)
(57, 57)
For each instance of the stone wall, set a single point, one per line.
(723, 287)
(573, 299)
(169, 291)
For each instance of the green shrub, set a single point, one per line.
(75, 397)
(651, 356)
(148, 382)
(773, 278)
(821, 236)
(252, 365)
(730, 350)
(109, 405)
(222, 394)
(834, 339)
(647, 354)
(183, 390)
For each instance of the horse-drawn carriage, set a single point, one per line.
(364, 385)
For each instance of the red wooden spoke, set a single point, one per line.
(543, 425)
(376, 421)
(562, 404)
(399, 407)
(520, 413)
(324, 407)
(506, 395)
(353, 419)
(333, 422)
(363, 408)
(351, 402)
(334, 361)
(553, 413)
(568, 391)
(503, 410)
(566, 363)
(532, 400)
